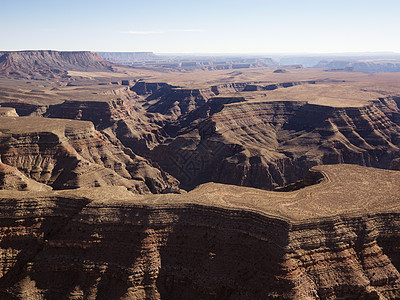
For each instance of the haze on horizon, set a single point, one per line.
(176, 26)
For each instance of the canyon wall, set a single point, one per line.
(197, 136)
(270, 144)
(68, 154)
(106, 243)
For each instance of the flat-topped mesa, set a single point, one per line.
(270, 144)
(228, 88)
(103, 109)
(23, 108)
(70, 154)
(336, 239)
(48, 63)
(98, 112)
(171, 101)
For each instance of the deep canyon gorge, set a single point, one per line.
(193, 182)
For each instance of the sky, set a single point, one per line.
(207, 26)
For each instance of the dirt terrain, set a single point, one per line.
(124, 182)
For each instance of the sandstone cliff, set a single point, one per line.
(197, 136)
(70, 154)
(122, 118)
(270, 144)
(12, 179)
(326, 241)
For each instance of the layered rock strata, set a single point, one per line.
(122, 118)
(70, 154)
(12, 179)
(140, 115)
(270, 144)
(49, 64)
(326, 241)
(198, 137)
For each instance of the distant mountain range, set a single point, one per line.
(36, 64)
(49, 63)
(127, 57)
(362, 65)
(188, 61)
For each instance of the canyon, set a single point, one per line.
(324, 241)
(146, 182)
(198, 135)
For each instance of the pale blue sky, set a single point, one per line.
(208, 26)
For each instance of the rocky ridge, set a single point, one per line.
(200, 135)
(216, 242)
(83, 217)
(270, 144)
(68, 154)
(36, 64)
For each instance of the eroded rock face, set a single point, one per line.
(121, 119)
(70, 154)
(198, 137)
(216, 242)
(272, 144)
(49, 64)
(177, 102)
(12, 179)
(8, 112)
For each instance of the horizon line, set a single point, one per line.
(220, 53)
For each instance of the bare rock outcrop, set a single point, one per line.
(270, 144)
(177, 102)
(336, 239)
(71, 154)
(197, 136)
(12, 179)
(8, 112)
(141, 116)
(122, 118)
